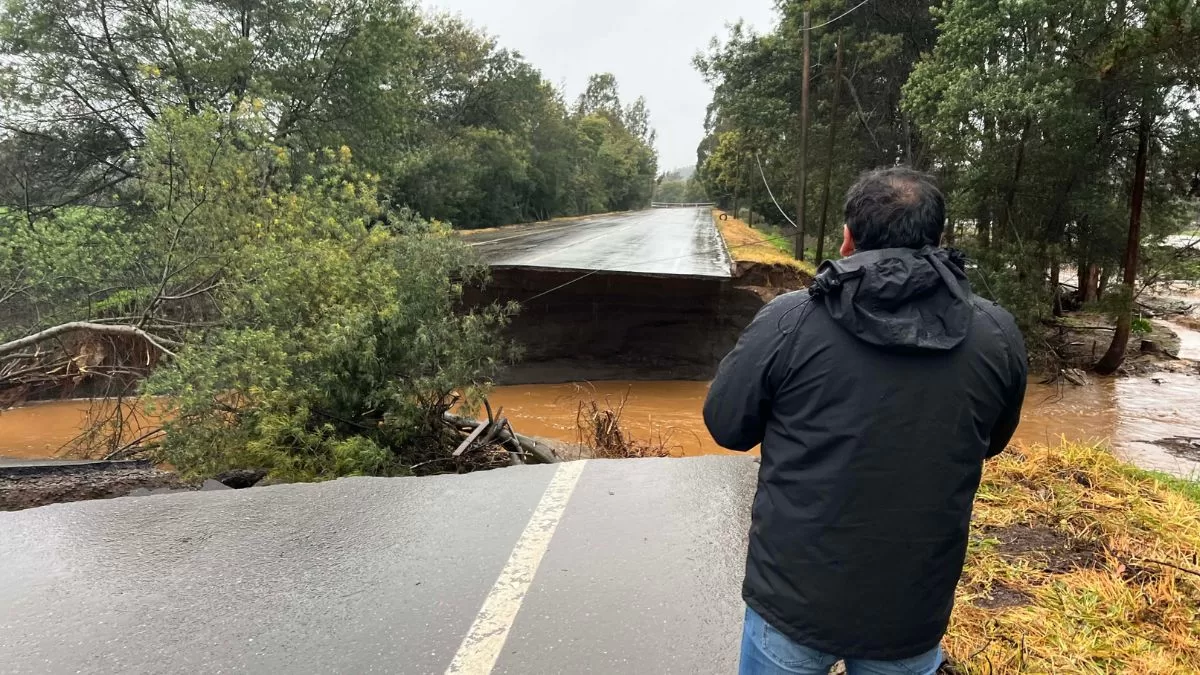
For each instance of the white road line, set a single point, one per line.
(481, 648)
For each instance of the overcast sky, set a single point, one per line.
(647, 44)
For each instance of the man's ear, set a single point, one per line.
(847, 242)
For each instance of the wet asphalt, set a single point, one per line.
(675, 242)
(642, 575)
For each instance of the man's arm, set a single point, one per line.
(739, 401)
(1006, 426)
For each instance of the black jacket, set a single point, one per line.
(876, 396)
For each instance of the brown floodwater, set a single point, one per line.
(1128, 413)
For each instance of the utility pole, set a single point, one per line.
(803, 187)
(753, 189)
(833, 126)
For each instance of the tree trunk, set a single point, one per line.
(1056, 285)
(84, 326)
(1006, 222)
(833, 129)
(1089, 283)
(1115, 355)
(753, 189)
(983, 225)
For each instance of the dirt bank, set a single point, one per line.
(23, 487)
(608, 326)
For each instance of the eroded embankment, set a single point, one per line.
(610, 326)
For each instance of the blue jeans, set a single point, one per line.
(766, 651)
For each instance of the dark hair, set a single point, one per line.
(895, 208)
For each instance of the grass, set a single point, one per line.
(1079, 564)
(1187, 487)
(747, 244)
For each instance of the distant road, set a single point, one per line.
(676, 242)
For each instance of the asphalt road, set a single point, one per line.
(628, 566)
(682, 242)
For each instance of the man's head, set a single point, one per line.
(893, 208)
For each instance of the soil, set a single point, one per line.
(613, 326)
(30, 486)
(776, 276)
(1002, 597)
(1046, 546)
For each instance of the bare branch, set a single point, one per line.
(74, 326)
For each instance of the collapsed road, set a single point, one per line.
(618, 566)
(642, 295)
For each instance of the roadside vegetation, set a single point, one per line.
(1079, 563)
(245, 212)
(1062, 132)
(758, 244)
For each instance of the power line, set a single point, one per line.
(772, 194)
(845, 13)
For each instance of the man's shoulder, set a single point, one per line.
(791, 300)
(997, 317)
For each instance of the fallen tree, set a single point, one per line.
(527, 447)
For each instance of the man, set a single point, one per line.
(876, 397)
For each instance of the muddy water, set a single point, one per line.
(41, 430)
(671, 411)
(1129, 413)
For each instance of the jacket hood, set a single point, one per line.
(899, 298)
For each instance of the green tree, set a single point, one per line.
(757, 79)
(1045, 140)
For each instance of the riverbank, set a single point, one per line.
(1079, 563)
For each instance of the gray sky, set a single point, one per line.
(647, 44)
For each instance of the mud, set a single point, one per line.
(1183, 447)
(1057, 552)
(1001, 596)
(769, 278)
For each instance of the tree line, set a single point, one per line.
(242, 210)
(458, 128)
(1064, 132)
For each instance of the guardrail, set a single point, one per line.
(681, 205)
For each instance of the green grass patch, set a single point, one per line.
(1188, 487)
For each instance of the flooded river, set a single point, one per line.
(1128, 413)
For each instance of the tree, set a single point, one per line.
(85, 79)
(1041, 139)
(757, 80)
